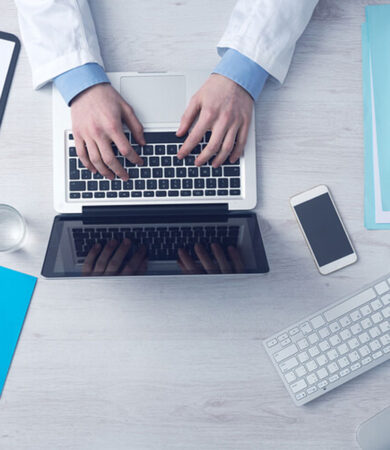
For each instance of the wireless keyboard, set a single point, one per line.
(334, 345)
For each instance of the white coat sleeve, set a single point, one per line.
(266, 31)
(58, 35)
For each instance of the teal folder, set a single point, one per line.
(16, 290)
(378, 38)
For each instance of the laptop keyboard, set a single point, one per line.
(163, 175)
(162, 243)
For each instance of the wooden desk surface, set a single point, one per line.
(170, 363)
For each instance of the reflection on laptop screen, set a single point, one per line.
(80, 249)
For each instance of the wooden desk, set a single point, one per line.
(173, 364)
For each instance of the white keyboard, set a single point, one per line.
(334, 345)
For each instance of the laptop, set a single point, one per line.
(183, 219)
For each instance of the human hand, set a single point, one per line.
(97, 115)
(206, 263)
(109, 260)
(223, 107)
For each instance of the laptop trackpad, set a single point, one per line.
(155, 98)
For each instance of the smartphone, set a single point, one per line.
(323, 229)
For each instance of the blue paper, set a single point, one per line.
(16, 290)
(378, 36)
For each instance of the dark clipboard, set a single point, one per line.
(11, 70)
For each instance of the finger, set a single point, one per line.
(220, 256)
(235, 257)
(190, 114)
(182, 267)
(134, 125)
(90, 259)
(240, 144)
(227, 146)
(204, 258)
(97, 160)
(125, 149)
(143, 267)
(194, 137)
(117, 259)
(104, 257)
(217, 136)
(188, 262)
(132, 266)
(82, 153)
(110, 159)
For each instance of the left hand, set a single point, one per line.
(225, 108)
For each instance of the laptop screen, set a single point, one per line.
(196, 246)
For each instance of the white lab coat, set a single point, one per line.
(60, 34)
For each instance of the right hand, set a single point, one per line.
(97, 115)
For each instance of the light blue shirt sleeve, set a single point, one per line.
(243, 71)
(76, 80)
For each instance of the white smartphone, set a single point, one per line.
(323, 229)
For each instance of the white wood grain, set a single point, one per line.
(173, 364)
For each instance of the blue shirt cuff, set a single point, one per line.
(76, 80)
(243, 71)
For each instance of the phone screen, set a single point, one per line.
(323, 229)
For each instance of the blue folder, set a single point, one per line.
(369, 195)
(16, 290)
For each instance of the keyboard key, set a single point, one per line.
(133, 173)
(74, 174)
(86, 175)
(92, 185)
(154, 161)
(151, 184)
(175, 184)
(98, 176)
(223, 182)
(104, 185)
(157, 173)
(211, 192)
(235, 182)
(139, 184)
(116, 185)
(205, 171)
(233, 171)
(286, 366)
(146, 173)
(112, 194)
(136, 194)
(185, 193)
(198, 193)
(298, 386)
(217, 172)
(163, 184)
(187, 184)
(171, 149)
(74, 195)
(124, 194)
(211, 183)
(72, 151)
(189, 160)
(77, 186)
(173, 193)
(222, 192)
(234, 192)
(193, 172)
(199, 183)
(148, 194)
(162, 137)
(290, 377)
(161, 194)
(166, 161)
(99, 194)
(169, 172)
(128, 185)
(285, 353)
(382, 287)
(160, 149)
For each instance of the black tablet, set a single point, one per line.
(9, 52)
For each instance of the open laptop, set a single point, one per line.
(168, 206)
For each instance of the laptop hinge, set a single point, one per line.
(215, 211)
